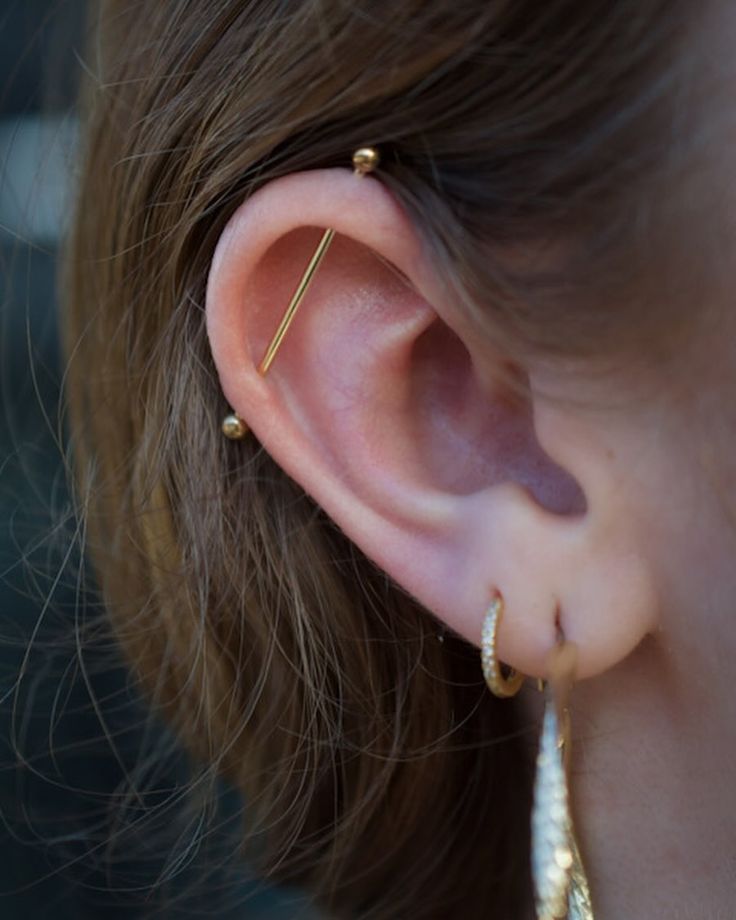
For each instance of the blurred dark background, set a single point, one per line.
(101, 814)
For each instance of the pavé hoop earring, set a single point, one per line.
(560, 884)
(365, 160)
(499, 685)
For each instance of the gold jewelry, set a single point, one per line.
(498, 684)
(234, 427)
(560, 884)
(365, 160)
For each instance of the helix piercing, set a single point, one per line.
(365, 160)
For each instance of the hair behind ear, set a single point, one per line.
(375, 767)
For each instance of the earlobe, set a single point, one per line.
(375, 407)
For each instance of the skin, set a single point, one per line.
(384, 403)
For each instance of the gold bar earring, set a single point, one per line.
(365, 160)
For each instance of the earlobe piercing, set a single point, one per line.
(499, 685)
(365, 160)
(560, 885)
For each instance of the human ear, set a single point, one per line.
(384, 406)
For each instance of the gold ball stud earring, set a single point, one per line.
(365, 160)
(499, 685)
(233, 427)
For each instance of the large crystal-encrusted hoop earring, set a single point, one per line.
(499, 685)
(560, 884)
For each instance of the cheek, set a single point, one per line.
(700, 449)
(683, 510)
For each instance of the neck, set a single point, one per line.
(652, 786)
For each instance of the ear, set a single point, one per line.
(383, 404)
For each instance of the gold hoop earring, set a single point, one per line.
(499, 685)
(560, 883)
(365, 160)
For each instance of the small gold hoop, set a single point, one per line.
(499, 685)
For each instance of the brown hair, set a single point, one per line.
(377, 770)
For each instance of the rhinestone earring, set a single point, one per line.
(499, 685)
(560, 884)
